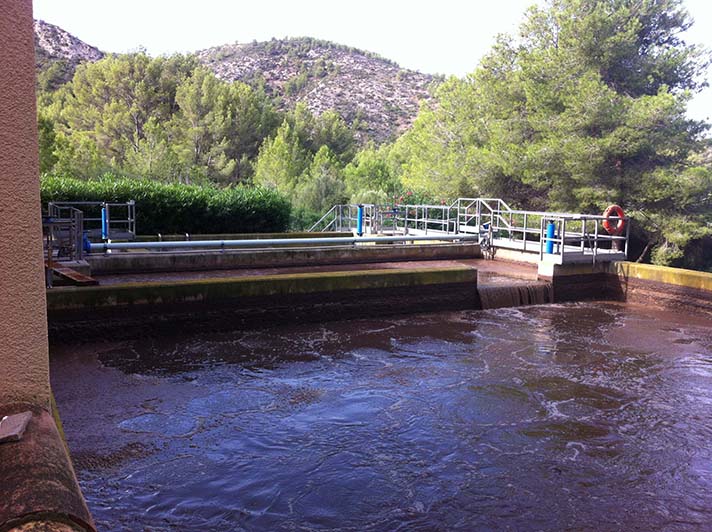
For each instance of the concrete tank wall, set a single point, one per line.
(23, 325)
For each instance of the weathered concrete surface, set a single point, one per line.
(663, 287)
(23, 327)
(219, 304)
(38, 481)
(663, 274)
(629, 281)
(485, 269)
(209, 290)
(581, 282)
(102, 264)
(531, 257)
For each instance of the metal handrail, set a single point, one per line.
(100, 226)
(63, 238)
(331, 212)
(518, 229)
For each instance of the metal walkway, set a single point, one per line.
(577, 238)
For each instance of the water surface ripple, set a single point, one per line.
(582, 416)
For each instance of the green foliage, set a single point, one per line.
(281, 161)
(299, 47)
(327, 129)
(164, 118)
(323, 185)
(586, 109)
(370, 171)
(305, 160)
(296, 84)
(52, 74)
(179, 208)
(47, 143)
(218, 125)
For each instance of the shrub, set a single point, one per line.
(177, 208)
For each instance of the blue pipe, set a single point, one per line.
(550, 235)
(104, 225)
(86, 243)
(359, 221)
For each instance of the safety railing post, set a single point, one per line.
(583, 234)
(79, 234)
(563, 238)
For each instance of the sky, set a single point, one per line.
(436, 37)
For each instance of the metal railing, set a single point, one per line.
(577, 237)
(582, 237)
(63, 239)
(63, 236)
(344, 218)
(102, 219)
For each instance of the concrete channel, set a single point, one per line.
(217, 300)
(160, 290)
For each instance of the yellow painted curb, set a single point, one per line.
(664, 274)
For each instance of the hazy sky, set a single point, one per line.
(442, 36)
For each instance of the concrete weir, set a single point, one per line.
(219, 303)
(171, 261)
(166, 291)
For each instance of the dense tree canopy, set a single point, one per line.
(164, 118)
(586, 108)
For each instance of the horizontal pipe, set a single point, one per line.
(106, 246)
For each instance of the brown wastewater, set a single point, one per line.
(585, 416)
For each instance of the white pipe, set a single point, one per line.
(106, 246)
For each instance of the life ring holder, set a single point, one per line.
(614, 221)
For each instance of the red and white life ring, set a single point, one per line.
(615, 220)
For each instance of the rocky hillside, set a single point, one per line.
(57, 53)
(375, 93)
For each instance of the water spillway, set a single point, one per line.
(515, 294)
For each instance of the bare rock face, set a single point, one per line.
(61, 52)
(382, 98)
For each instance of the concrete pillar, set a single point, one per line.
(24, 353)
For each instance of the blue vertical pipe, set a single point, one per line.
(550, 234)
(104, 225)
(359, 220)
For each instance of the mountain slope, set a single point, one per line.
(58, 52)
(377, 94)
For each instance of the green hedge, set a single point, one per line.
(176, 208)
